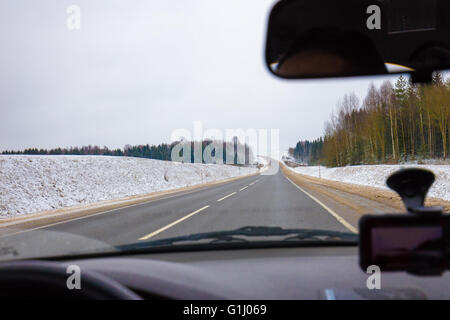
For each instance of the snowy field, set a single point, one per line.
(375, 176)
(36, 183)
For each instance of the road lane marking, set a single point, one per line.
(243, 188)
(180, 194)
(176, 194)
(154, 233)
(334, 214)
(251, 183)
(226, 196)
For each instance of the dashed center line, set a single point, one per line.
(154, 233)
(172, 224)
(226, 196)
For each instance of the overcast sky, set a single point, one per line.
(137, 70)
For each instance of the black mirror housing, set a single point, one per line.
(327, 38)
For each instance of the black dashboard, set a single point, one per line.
(272, 273)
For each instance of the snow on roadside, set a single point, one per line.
(262, 160)
(376, 175)
(37, 183)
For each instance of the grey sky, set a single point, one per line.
(137, 70)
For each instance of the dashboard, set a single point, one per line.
(273, 273)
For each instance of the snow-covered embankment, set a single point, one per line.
(376, 175)
(31, 184)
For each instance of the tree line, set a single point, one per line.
(308, 152)
(162, 151)
(393, 123)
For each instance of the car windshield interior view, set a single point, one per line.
(225, 158)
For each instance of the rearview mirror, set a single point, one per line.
(328, 38)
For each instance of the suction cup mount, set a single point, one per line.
(412, 185)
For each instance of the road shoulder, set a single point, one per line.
(341, 199)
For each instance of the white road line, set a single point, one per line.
(181, 193)
(154, 233)
(177, 194)
(243, 188)
(226, 196)
(334, 214)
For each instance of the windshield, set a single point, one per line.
(137, 124)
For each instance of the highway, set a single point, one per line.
(261, 200)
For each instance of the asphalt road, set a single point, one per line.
(260, 200)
